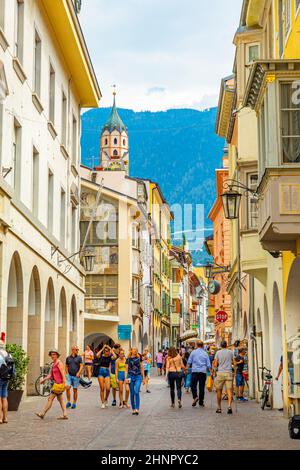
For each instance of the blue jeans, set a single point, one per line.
(134, 386)
(3, 388)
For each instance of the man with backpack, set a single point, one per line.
(6, 373)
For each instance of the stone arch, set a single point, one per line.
(49, 319)
(34, 330)
(133, 340)
(277, 346)
(15, 301)
(266, 334)
(145, 341)
(140, 340)
(62, 324)
(96, 340)
(73, 322)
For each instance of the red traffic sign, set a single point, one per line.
(221, 316)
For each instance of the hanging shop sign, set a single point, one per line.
(214, 287)
(221, 316)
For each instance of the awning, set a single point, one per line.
(188, 334)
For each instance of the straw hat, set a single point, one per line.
(54, 351)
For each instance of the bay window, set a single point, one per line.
(290, 123)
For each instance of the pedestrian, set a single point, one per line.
(113, 378)
(105, 356)
(88, 361)
(280, 370)
(120, 374)
(200, 364)
(7, 371)
(175, 372)
(147, 368)
(188, 376)
(58, 376)
(74, 368)
(134, 377)
(239, 377)
(159, 362)
(223, 362)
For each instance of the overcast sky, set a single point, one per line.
(161, 54)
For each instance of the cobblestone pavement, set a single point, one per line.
(157, 428)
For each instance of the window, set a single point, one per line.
(16, 155)
(2, 14)
(115, 153)
(253, 53)
(19, 29)
(63, 217)
(252, 213)
(103, 286)
(106, 141)
(37, 64)
(290, 124)
(135, 289)
(287, 17)
(50, 201)
(124, 142)
(35, 182)
(64, 119)
(74, 230)
(115, 141)
(74, 141)
(52, 95)
(135, 236)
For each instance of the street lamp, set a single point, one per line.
(231, 198)
(231, 204)
(208, 270)
(89, 261)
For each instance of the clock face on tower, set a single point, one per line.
(78, 4)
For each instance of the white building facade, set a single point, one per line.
(46, 78)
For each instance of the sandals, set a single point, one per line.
(121, 406)
(229, 412)
(40, 415)
(61, 418)
(219, 411)
(126, 404)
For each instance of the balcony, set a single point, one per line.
(175, 290)
(253, 256)
(279, 208)
(105, 307)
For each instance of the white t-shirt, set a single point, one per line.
(3, 356)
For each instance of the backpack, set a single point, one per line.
(7, 370)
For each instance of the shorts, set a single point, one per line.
(113, 381)
(104, 372)
(239, 380)
(72, 381)
(159, 365)
(147, 373)
(121, 376)
(223, 378)
(3, 388)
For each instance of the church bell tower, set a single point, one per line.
(114, 146)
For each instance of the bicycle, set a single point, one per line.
(266, 393)
(44, 389)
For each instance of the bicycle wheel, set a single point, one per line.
(264, 398)
(43, 390)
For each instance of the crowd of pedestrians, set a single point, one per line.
(195, 369)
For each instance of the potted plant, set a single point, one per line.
(16, 385)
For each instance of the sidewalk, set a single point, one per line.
(158, 427)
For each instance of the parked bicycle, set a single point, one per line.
(265, 399)
(44, 389)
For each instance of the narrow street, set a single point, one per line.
(157, 428)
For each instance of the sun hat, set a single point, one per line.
(54, 351)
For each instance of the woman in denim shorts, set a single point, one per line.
(105, 356)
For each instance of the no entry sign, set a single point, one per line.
(221, 316)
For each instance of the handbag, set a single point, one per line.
(209, 383)
(58, 389)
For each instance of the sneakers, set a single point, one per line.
(195, 402)
(148, 391)
(242, 399)
(114, 403)
(68, 405)
(179, 404)
(201, 405)
(74, 406)
(103, 406)
(229, 412)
